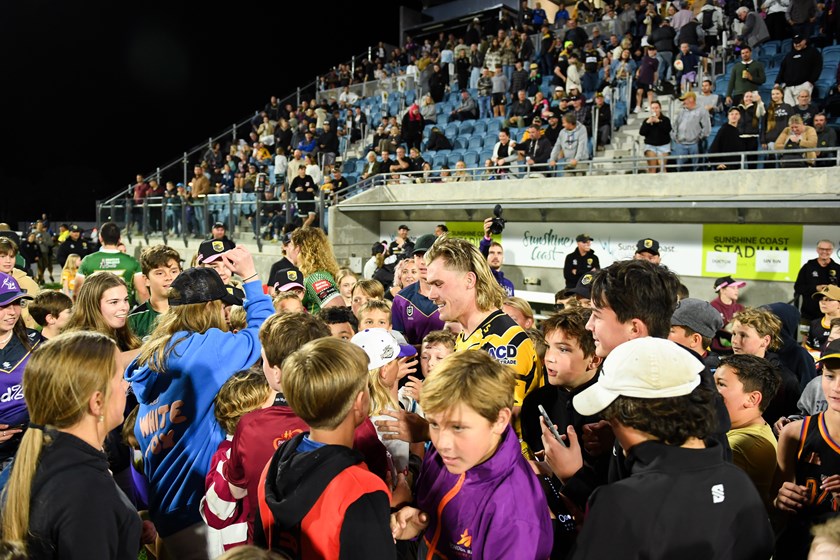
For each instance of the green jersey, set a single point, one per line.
(320, 288)
(115, 262)
(142, 320)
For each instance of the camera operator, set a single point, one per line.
(493, 250)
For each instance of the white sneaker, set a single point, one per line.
(637, 110)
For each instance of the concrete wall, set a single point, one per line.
(784, 196)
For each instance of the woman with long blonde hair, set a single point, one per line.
(311, 251)
(61, 501)
(180, 369)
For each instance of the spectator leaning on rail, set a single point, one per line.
(797, 136)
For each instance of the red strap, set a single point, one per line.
(266, 516)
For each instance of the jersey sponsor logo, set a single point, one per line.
(13, 393)
(287, 435)
(717, 494)
(507, 352)
(321, 285)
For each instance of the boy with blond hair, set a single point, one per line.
(317, 499)
(475, 458)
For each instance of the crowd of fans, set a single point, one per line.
(417, 409)
(554, 92)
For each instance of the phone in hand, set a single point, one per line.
(551, 427)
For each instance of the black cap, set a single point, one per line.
(424, 243)
(220, 224)
(74, 228)
(197, 285)
(377, 248)
(583, 238)
(648, 245)
(287, 278)
(235, 296)
(583, 288)
(797, 38)
(210, 249)
(403, 226)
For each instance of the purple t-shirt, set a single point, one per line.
(414, 315)
(647, 69)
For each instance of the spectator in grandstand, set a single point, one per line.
(401, 163)
(438, 81)
(804, 108)
(485, 93)
(777, 25)
(796, 136)
(199, 189)
(500, 88)
(312, 168)
(328, 143)
(752, 111)
(754, 31)
(428, 109)
(520, 110)
(536, 149)
(646, 77)
(623, 68)
(691, 126)
(437, 140)
(656, 131)
(412, 126)
(504, 153)
(746, 75)
(728, 140)
(802, 15)
(826, 138)
(776, 118)
(713, 24)
(467, 109)
(572, 145)
(662, 37)
(800, 69)
(518, 78)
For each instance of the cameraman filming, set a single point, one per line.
(493, 250)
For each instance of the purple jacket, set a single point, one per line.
(414, 315)
(495, 510)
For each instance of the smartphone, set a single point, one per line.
(551, 427)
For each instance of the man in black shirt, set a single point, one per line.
(580, 261)
(814, 276)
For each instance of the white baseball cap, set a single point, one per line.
(644, 368)
(381, 347)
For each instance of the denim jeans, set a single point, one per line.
(484, 107)
(686, 164)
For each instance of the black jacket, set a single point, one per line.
(295, 483)
(678, 503)
(77, 509)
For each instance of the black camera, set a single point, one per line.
(497, 226)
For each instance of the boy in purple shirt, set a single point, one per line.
(476, 494)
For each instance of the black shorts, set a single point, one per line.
(498, 99)
(644, 87)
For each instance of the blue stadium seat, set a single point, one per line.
(439, 160)
(479, 127)
(471, 158)
(476, 142)
(466, 127)
(462, 141)
(451, 130)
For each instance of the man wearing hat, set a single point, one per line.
(289, 280)
(413, 314)
(727, 301)
(582, 292)
(648, 250)
(16, 346)
(604, 113)
(219, 232)
(73, 244)
(401, 246)
(694, 325)
(800, 69)
(552, 131)
(580, 262)
(650, 392)
(209, 256)
(690, 126)
(829, 302)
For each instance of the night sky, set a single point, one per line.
(94, 93)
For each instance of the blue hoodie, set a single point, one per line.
(176, 427)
